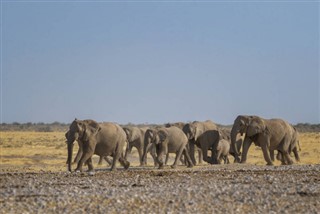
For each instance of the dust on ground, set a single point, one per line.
(234, 188)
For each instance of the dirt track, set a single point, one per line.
(219, 189)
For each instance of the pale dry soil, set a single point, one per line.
(233, 188)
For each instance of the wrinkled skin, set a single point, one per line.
(270, 135)
(135, 138)
(180, 125)
(220, 151)
(294, 147)
(79, 153)
(104, 140)
(237, 136)
(170, 140)
(149, 147)
(203, 135)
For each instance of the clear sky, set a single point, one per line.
(157, 62)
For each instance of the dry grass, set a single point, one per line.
(48, 151)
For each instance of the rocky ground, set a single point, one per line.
(230, 188)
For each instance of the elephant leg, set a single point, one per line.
(266, 153)
(85, 156)
(116, 156)
(271, 155)
(167, 158)
(160, 160)
(219, 157)
(128, 151)
(204, 149)
(296, 154)
(200, 156)
(107, 160)
(187, 158)
(140, 153)
(245, 147)
(287, 157)
(191, 152)
(227, 160)
(183, 159)
(90, 166)
(100, 160)
(124, 162)
(153, 155)
(178, 156)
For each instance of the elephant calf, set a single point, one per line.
(220, 151)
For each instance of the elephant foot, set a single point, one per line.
(173, 166)
(126, 165)
(270, 164)
(190, 166)
(91, 173)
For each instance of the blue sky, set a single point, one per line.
(157, 62)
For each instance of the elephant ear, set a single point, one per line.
(127, 131)
(196, 133)
(162, 135)
(90, 130)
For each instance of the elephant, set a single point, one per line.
(294, 145)
(220, 151)
(236, 136)
(200, 156)
(169, 140)
(203, 135)
(270, 135)
(135, 137)
(107, 139)
(79, 153)
(148, 146)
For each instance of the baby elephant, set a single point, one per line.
(220, 152)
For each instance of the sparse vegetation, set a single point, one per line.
(47, 150)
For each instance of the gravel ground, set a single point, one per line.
(233, 188)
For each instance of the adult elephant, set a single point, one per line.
(180, 125)
(293, 147)
(103, 140)
(150, 147)
(270, 135)
(170, 140)
(203, 135)
(237, 137)
(135, 137)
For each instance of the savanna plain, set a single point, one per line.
(34, 179)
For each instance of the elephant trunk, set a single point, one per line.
(234, 143)
(145, 150)
(70, 150)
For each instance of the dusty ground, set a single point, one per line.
(204, 189)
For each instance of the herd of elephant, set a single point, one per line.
(212, 143)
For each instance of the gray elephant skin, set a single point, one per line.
(180, 125)
(220, 152)
(270, 135)
(107, 139)
(202, 134)
(169, 140)
(136, 138)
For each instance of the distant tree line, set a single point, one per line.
(38, 127)
(63, 127)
